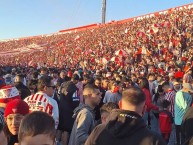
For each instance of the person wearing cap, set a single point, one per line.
(14, 113)
(7, 94)
(183, 101)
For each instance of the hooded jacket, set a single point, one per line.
(124, 128)
(83, 125)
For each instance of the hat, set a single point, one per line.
(187, 87)
(16, 106)
(8, 93)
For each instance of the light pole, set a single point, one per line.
(103, 11)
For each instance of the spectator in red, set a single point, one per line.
(165, 120)
(179, 74)
(14, 113)
(144, 85)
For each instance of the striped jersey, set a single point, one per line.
(42, 102)
(170, 96)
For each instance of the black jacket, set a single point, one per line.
(66, 107)
(23, 90)
(124, 128)
(97, 109)
(13, 139)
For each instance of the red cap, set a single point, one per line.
(16, 106)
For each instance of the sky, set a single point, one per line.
(22, 18)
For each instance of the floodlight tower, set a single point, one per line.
(103, 11)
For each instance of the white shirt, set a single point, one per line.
(42, 102)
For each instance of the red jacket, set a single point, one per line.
(179, 74)
(165, 121)
(148, 101)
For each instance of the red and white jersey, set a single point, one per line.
(42, 102)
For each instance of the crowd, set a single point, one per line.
(120, 83)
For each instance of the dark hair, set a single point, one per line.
(36, 123)
(32, 83)
(166, 84)
(86, 77)
(20, 77)
(35, 75)
(159, 88)
(144, 83)
(75, 77)
(133, 95)
(98, 78)
(157, 95)
(165, 103)
(44, 81)
(108, 107)
(44, 69)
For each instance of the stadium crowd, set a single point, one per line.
(120, 83)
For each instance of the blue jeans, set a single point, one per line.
(151, 121)
(172, 140)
